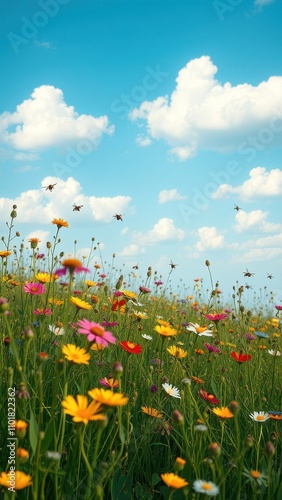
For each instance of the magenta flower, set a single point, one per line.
(95, 332)
(212, 348)
(73, 266)
(143, 289)
(216, 316)
(103, 276)
(42, 312)
(34, 288)
(279, 308)
(158, 283)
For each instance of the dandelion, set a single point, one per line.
(165, 331)
(171, 390)
(173, 481)
(80, 304)
(223, 412)
(60, 223)
(201, 331)
(34, 288)
(206, 487)
(95, 332)
(240, 357)
(81, 410)
(108, 398)
(259, 416)
(152, 412)
(76, 354)
(131, 347)
(18, 477)
(177, 352)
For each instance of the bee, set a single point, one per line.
(76, 208)
(270, 276)
(118, 216)
(248, 287)
(173, 266)
(50, 187)
(135, 267)
(237, 208)
(248, 274)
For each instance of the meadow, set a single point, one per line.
(116, 387)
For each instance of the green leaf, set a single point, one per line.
(48, 437)
(155, 479)
(214, 388)
(33, 432)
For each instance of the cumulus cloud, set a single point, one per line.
(45, 120)
(261, 183)
(254, 220)
(204, 113)
(41, 206)
(131, 250)
(163, 231)
(143, 141)
(43, 236)
(170, 195)
(209, 239)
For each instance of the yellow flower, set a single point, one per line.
(223, 412)
(173, 481)
(128, 294)
(97, 347)
(43, 277)
(163, 322)
(81, 304)
(177, 352)
(140, 315)
(80, 410)
(5, 253)
(60, 223)
(89, 284)
(22, 453)
(152, 412)
(34, 242)
(108, 398)
(55, 302)
(165, 331)
(15, 479)
(76, 354)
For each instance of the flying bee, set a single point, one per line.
(135, 267)
(270, 276)
(173, 266)
(118, 216)
(50, 187)
(248, 287)
(248, 274)
(237, 208)
(76, 208)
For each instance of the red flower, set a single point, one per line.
(131, 347)
(240, 357)
(216, 316)
(118, 304)
(208, 397)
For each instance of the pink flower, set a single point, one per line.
(34, 288)
(216, 316)
(42, 312)
(158, 283)
(212, 348)
(103, 276)
(95, 332)
(73, 266)
(143, 289)
(279, 308)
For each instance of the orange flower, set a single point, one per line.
(60, 223)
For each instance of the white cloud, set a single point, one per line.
(27, 168)
(164, 230)
(143, 141)
(260, 183)
(209, 239)
(258, 254)
(170, 195)
(254, 220)
(204, 113)
(41, 235)
(131, 250)
(45, 120)
(41, 206)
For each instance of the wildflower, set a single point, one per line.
(34, 288)
(173, 481)
(81, 410)
(81, 304)
(20, 427)
(158, 283)
(249, 337)
(147, 337)
(201, 428)
(154, 388)
(171, 390)
(275, 415)
(223, 412)
(215, 449)
(144, 290)
(95, 332)
(55, 302)
(42, 312)
(206, 487)
(200, 352)
(165, 331)
(261, 334)
(108, 398)
(212, 348)
(131, 347)
(109, 382)
(57, 329)
(197, 380)
(259, 416)
(89, 284)
(34, 242)
(216, 317)
(279, 308)
(109, 324)
(21, 480)
(5, 253)
(60, 223)
(240, 357)
(119, 305)
(152, 412)
(201, 331)
(269, 449)
(208, 397)
(76, 354)
(234, 407)
(274, 353)
(23, 454)
(128, 294)
(73, 266)
(179, 464)
(97, 347)
(255, 477)
(177, 352)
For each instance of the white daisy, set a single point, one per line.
(199, 330)
(206, 487)
(171, 390)
(147, 337)
(57, 330)
(259, 416)
(274, 353)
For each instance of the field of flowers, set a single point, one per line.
(114, 387)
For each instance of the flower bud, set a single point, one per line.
(269, 449)
(49, 244)
(177, 417)
(14, 214)
(179, 464)
(234, 407)
(215, 449)
(4, 305)
(207, 263)
(117, 367)
(249, 442)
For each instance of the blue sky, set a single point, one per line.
(169, 113)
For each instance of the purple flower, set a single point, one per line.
(212, 348)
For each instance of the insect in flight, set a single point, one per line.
(237, 208)
(135, 267)
(173, 266)
(270, 276)
(118, 216)
(248, 287)
(248, 274)
(76, 208)
(50, 187)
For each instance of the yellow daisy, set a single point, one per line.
(81, 410)
(108, 398)
(76, 354)
(80, 304)
(16, 479)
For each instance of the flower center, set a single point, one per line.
(255, 474)
(130, 345)
(260, 417)
(34, 289)
(200, 329)
(206, 487)
(97, 330)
